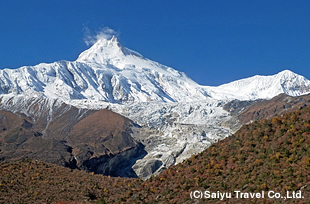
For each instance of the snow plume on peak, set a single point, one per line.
(104, 33)
(107, 51)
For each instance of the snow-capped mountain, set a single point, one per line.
(263, 87)
(176, 116)
(106, 72)
(112, 73)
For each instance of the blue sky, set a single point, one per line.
(212, 41)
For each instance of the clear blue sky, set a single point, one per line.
(212, 41)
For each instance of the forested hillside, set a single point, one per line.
(267, 155)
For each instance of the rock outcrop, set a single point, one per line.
(98, 141)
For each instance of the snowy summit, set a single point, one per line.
(105, 51)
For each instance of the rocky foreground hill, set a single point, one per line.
(266, 156)
(96, 141)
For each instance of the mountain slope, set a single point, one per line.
(269, 155)
(244, 112)
(98, 141)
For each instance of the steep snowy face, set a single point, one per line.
(106, 72)
(107, 52)
(138, 79)
(262, 87)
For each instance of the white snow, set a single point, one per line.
(262, 87)
(112, 73)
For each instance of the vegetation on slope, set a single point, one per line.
(262, 156)
(31, 181)
(268, 155)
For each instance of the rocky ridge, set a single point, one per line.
(97, 141)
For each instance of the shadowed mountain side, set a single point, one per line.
(98, 141)
(20, 138)
(275, 107)
(249, 111)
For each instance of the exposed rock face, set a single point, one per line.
(247, 111)
(275, 107)
(116, 165)
(98, 141)
(20, 138)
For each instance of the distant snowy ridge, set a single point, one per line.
(262, 87)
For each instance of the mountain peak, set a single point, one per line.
(102, 51)
(114, 39)
(103, 42)
(105, 51)
(287, 73)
